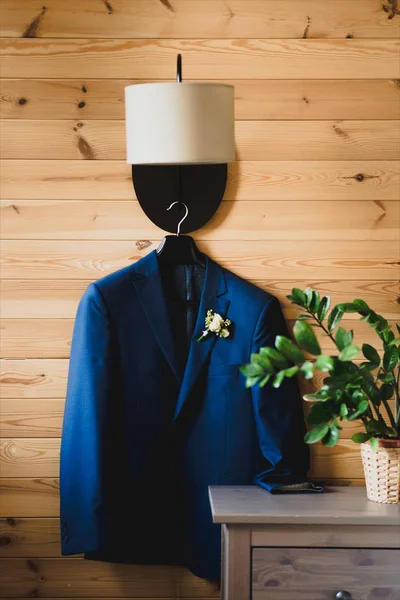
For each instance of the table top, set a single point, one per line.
(336, 505)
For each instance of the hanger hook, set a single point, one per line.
(178, 229)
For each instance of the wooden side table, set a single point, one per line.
(331, 546)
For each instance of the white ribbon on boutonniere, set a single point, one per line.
(215, 324)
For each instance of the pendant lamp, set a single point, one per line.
(179, 141)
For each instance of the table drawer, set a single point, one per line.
(320, 573)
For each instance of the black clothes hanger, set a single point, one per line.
(179, 249)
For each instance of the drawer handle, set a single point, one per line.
(343, 596)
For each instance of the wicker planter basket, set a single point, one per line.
(382, 471)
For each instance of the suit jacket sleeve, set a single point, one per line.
(278, 414)
(83, 426)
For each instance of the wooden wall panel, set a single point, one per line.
(29, 497)
(37, 379)
(26, 497)
(29, 537)
(200, 18)
(51, 338)
(250, 58)
(347, 260)
(58, 299)
(33, 378)
(262, 220)
(42, 418)
(247, 180)
(32, 457)
(255, 140)
(312, 200)
(75, 577)
(260, 99)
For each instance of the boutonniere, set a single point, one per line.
(215, 324)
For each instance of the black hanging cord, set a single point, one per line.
(179, 68)
(178, 170)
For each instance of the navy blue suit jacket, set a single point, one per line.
(143, 438)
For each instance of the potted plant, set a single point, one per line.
(362, 384)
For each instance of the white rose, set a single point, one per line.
(224, 332)
(216, 323)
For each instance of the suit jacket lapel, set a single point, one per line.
(212, 297)
(150, 290)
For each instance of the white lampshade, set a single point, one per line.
(179, 123)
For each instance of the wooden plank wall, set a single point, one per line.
(312, 200)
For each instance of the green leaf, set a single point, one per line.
(325, 393)
(361, 305)
(366, 374)
(374, 443)
(386, 377)
(372, 319)
(387, 336)
(323, 307)
(319, 414)
(347, 307)
(324, 363)
(371, 354)
(343, 338)
(390, 358)
(264, 381)
(386, 391)
(367, 366)
(372, 392)
(391, 431)
(263, 362)
(395, 341)
(343, 410)
(297, 297)
(250, 381)
(357, 395)
(382, 323)
(375, 426)
(316, 434)
(360, 437)
(314, 306)
(288, 349)
(348, 353)
(304, 317)
(276, 358)
(307, 370)
(279, 377)
(252, 370)
(332, 437)
(306, 338)
(362, 407)
(334, 318)
(309, 296)
(317, 397)
(291, 372)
